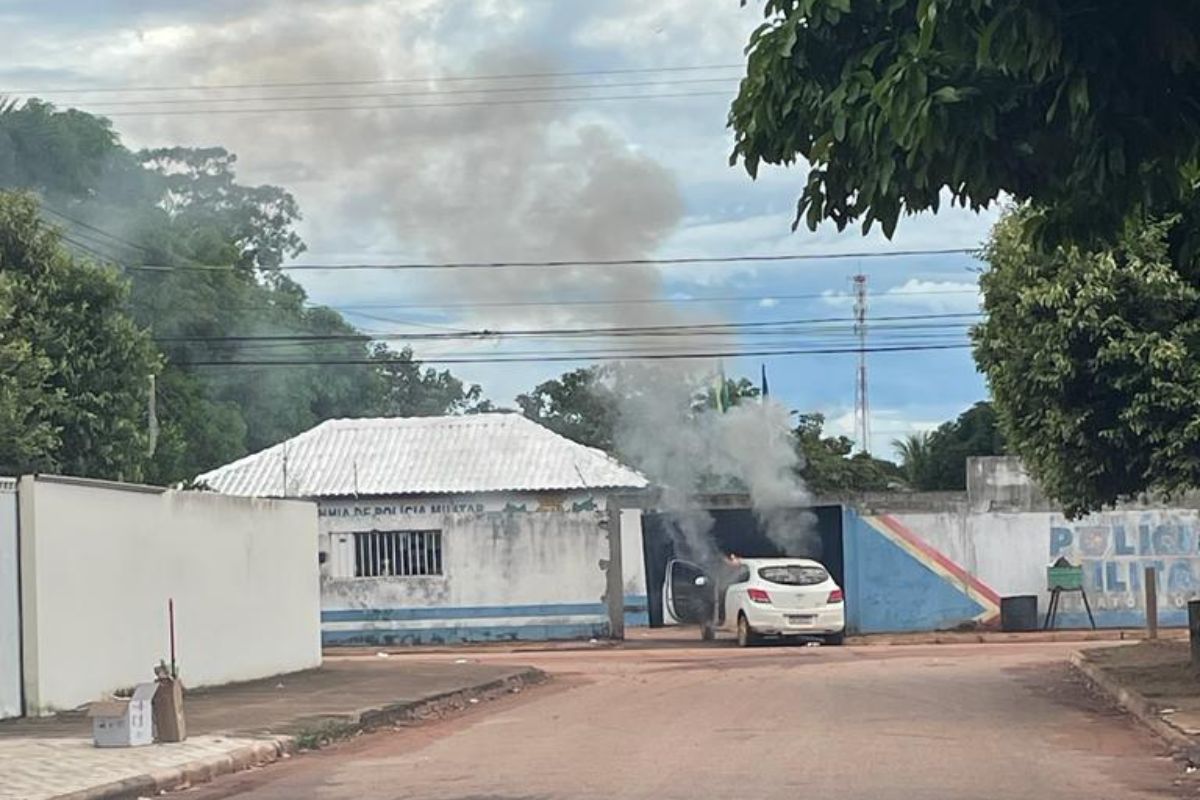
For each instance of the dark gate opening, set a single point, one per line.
(736, 530)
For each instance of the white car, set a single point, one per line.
(758, 597)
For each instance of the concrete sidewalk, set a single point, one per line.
(241, 725)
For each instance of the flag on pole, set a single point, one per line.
(764, 392)
(721, 390)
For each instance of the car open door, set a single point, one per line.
(687, 594)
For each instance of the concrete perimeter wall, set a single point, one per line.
(910, 567)
(100, 560)
(507, 575)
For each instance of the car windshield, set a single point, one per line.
(794, 575)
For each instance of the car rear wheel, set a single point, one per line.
(835, 638)
(745, 634)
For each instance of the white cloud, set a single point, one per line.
(887, 425)
(768, 302)
(709, 32)
(915, 294)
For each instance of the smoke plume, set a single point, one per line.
(688, 450)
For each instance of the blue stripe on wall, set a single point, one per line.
(637, 610)
(454, 634)
(850, 569)
(889, 591)
(633, 604)
(460, 612)
(1116, 618)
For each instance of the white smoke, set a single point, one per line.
(688, 450)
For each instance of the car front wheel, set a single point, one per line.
(745, 634)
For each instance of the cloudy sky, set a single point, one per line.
(558, 130)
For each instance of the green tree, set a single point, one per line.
(914, 458)
(85, 364)
(831, 467)
(943, 464)
(410, 391)
(198, 187)
(579, 405)
(1087, 115)
(28, 439)
(1090, 110)
(1093, 357)
(221, 243)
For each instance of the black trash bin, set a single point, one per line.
(1019, 613)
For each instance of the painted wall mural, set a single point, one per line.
(1116, 549)
(925, 571)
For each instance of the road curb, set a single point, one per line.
(311, 736)
(999, 637)
(1137, 706)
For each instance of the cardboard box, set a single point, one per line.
(125, 722)
(168, 711)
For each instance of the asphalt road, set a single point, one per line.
(870, 723)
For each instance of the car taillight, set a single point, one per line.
(836, 596)
(758, 595)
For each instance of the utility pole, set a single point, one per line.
(152, 417)
(862, 407)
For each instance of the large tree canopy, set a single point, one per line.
(77, 370)
(1093, 357)
(216, 245)
(579, 405)
(832, 467)
(1091, 110)
(937, 461)
(1088, 115)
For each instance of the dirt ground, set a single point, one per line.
(1159, 671)
(697, 719)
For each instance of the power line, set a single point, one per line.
(289, 350)
(307, 362)
(284, 349)
(89, 248)
(617, 262)
(625, 330)
(410, 106)
(373, 81)
(170, 101)
(580, 347)
(436, 304)
(87, 226)
(647, 339)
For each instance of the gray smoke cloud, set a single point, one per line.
(689, 451)
(475, 179)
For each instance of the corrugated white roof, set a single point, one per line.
(422, 455)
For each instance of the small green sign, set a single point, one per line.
(1064, 578)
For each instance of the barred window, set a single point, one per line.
(397, 553)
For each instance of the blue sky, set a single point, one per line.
(582, 179)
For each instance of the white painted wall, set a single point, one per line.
(507, 573)
(633, 560)
(99, 562)
(10, 610)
